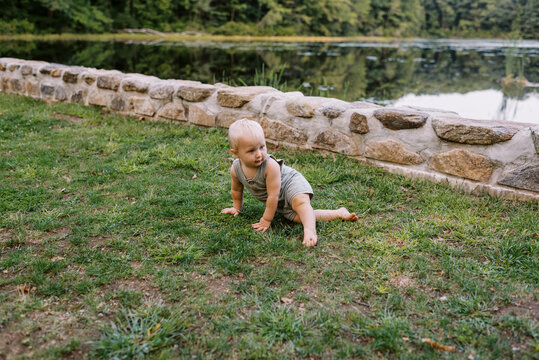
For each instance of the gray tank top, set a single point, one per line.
(257, 185)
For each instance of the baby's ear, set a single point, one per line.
(234, 151)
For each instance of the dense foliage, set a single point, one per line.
(277, 17)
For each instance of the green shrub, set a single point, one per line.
(16, 27)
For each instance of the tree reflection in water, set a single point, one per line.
(382, 73)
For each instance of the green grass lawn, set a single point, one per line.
(112, 244)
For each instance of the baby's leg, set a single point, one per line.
(301, 204)
(341, 213)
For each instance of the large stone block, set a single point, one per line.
(173, 110)
(13, 67)
(142, 106)
(304, 106)
(200, 116)
(358, 123)
(332, 111)
(400, 119)
(47, 90)
(535, 138)
(195, 93)
(60, 94)
(279, 131)
(49, 68)
(71, 75)
(34, 67)
(110, 82)
(465, 131)
(97, 98)
(5, 83)
(137, 84)
(392, 151)
(2, 66)
(16, 85)
(463, 163)
(89, 77)
(118, 103)
(239, 96)
(45, 69)
(79, 96)
(26, 70)
(32, 88)
(526, 178)
(161, 91)
(333, 140)
(56, 73)
(270, 102)
(226, 118)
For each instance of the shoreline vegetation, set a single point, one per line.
(149, 37)
(202, 37)
(403, 18)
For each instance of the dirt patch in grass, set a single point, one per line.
(144, 286)
(357, 305)
(398, 242)
(524, 308)
(401, 281)
(68, 197)
(59, 234)
(5, 235)
(219, 286)
(60, 321)
(72, 119)
(34, 237)
(98, 242)
(55, 325)
(11, 344)
(309, 289)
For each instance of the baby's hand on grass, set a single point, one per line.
(262, 225)
(231, 211)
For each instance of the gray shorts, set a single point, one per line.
(294, 185)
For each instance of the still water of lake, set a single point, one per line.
(458, 75)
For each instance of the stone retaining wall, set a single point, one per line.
(500, 158)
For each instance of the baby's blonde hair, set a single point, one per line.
(241, 128)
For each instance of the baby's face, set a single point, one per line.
(251, 150)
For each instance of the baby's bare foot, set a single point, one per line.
(309, 239)
(346, 215)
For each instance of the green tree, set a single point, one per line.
(439, 15)
(155, 14)
(520, 18)
(469, 14)
(331, 17)
(274, 12)
(529, 26)
(79, 15)
(361, 10)
(197, 10)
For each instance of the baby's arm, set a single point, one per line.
(273, 186)
(237, 195)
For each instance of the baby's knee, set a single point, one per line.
(301, 200)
